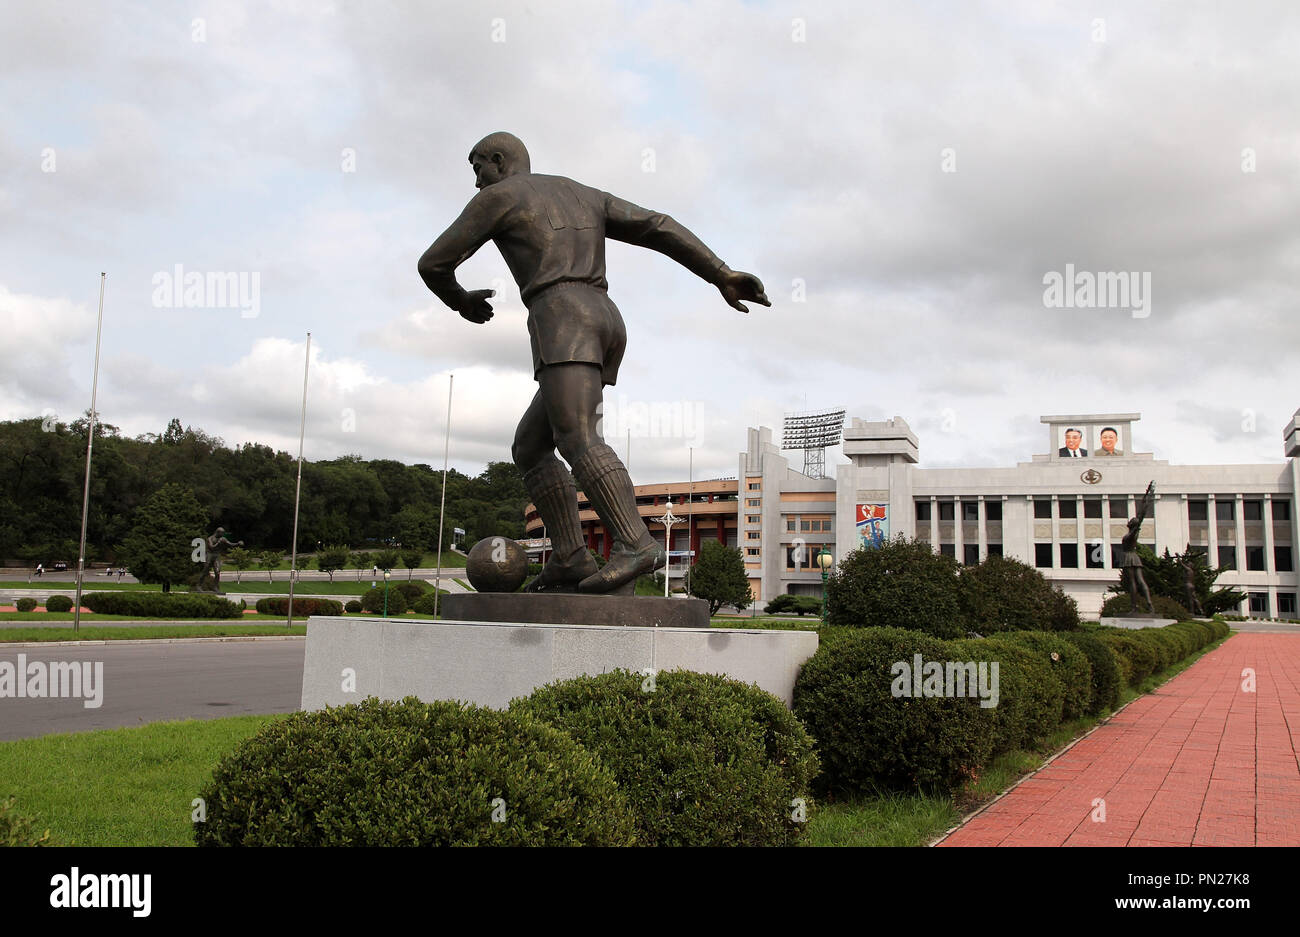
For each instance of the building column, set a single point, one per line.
(1080, 522)
(1105, 534)
(934, 523)
(1031, 550)
(958, 541)
(1239, 524)
(1212, 547)
(1056, 534)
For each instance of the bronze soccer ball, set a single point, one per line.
(497, 564)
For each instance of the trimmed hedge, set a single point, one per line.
(353, 605)
(410, 590)
(1004, 594)
(58, 603)
(902, 583)
(162, 605)
(373, 601)
(1107, 677)
(870, 739)
(1030, 695)
(379, 773)
(424, 604)
(279, 605)
(1068, 662)
(1138, 659)
(25, 604)
(798, 604)
(703, 760)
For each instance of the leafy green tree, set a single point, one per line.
(1004, 594)
(387, 560)
(718, 577)
(1164, 576)
(160, 548)
(411, 559)
(270, 560)
(331, 559)
(362, 560)
(242, 560)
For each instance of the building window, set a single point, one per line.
(753, 535)
(753, 502)
(805, 526)
(1092, 508)
(1286, 603)
(945, 511)
(1228, 556)
(1281, 510)
(1223, 510)
(1252, 510)
(1197, 511)
(789, 524)
(1095, 555)
(1259, 603)
(826, 526)
(1118, 508)
(1069, 556)
(1116, 556)
(755, 486)
(995, 549)
(970, 510)
(797, 558)
(948, 550)
(1043, 509)
(992, 511)
(1043, 555)
(1282, 559)
(751, 551)
(753, 518)
(971, 554)
(923, 510)
(1255, 559)
(1068, 508)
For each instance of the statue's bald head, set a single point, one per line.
(497, 156)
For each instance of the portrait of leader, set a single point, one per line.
(1073, 443)
(1108, 442)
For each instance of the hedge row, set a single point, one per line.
(679, 758)
(277, 605)
(881, 725)
(162, 605)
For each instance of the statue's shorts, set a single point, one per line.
(575, 321)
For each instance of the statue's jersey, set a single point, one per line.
(551, 231)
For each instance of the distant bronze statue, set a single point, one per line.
(551, 232)
(214, 548)
(1132, 561)
(1192, 602)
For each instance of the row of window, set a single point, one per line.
(1068, 509)
(1225, 509)
(970, 510)
(809, 526)
(1094, 553)
(1286, 604)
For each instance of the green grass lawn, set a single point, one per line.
(343, 584)
(92, 617)
(118, 787)
(147, 632)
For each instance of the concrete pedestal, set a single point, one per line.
(491, 663)
(559, 608)
(1136, 623)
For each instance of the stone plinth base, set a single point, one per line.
(1135, 622)
(491, 663)
(559, 608)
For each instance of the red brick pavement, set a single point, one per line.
(1198, 762)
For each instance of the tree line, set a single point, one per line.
(249, 490)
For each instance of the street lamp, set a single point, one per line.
(668, 519)
(386, 574)
(825, 561)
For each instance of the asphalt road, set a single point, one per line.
(151, 682)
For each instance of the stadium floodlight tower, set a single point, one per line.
(813, 433)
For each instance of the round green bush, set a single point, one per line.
(868, 738)
(380, 773)
(1029, 695)
(373, 601)
(1221, 628)
(162, 604)
(1117, 606)
(353, 605)
(1166, 648)
(1004, 594)
(1070, 665)
(25, 604)
(902, 583)
(702, 759)
(1107, 677)
(1138, 658)
(424, 604)
(58, 603)
(411, 590)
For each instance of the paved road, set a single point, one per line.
(151, 681)
(1201, 761)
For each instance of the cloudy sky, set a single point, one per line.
(903, 178)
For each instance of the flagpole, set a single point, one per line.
(90, 443)
(302, 433)
(446, 445)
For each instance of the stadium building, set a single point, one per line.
(1064, 511)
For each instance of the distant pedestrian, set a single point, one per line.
(121, 571)
(40, 570)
